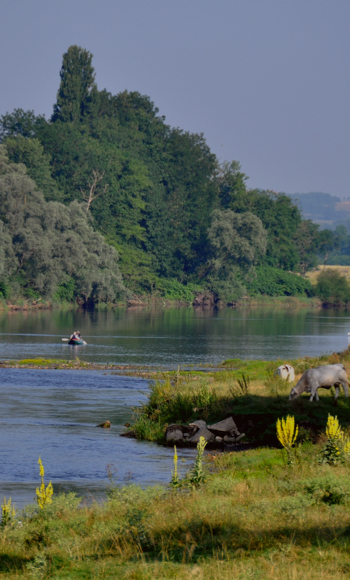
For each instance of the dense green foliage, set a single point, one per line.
(274, 282)
(48, 248)
(157, 194)
(332, 287)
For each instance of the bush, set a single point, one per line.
(332, 287)
(4, 290)
(329, 489)
(275, 282)
(171, 289)
(66, 291)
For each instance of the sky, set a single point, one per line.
(266, 81)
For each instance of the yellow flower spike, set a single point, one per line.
(41, 468)
(44, 495)
(333, 429)
(8, 511)
(175, 476)
(287, 433)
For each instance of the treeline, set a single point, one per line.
(178, 219)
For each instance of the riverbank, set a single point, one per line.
(248, 391)
(204, 301)
(252, 515)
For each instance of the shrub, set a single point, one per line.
(275, 282)
(329, 489)
(66, 291)
(332, 287)
(4, 290)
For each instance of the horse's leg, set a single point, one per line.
(344, 384)
(313, 389)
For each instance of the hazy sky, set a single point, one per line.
(266, 81)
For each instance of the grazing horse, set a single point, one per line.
(325, 377)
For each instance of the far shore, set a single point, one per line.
(288, 302)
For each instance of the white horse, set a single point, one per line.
(286, 372)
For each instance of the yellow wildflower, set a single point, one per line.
(287, 432)
(333, 429)
(7, 511)
(44, 495)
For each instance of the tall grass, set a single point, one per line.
(250, 519)
(250, 392)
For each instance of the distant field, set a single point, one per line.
(312, 275)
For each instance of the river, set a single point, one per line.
(54, 413)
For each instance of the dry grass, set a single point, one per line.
(343, 270)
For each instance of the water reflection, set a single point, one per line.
(174, 336)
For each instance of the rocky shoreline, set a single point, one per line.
(223, 435)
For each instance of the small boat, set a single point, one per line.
(76, 341)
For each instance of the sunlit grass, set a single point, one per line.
(183, 397)
(254, 517)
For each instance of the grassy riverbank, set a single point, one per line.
(255, 517)
(247, 390)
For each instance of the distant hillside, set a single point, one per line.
(323, 208)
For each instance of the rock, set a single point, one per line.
(202, 432)
(174, 435)
(224, 426)
(130, 434)
(199, 423)
(229, 439)
(105, 425)
(218, 439)
(186, 435)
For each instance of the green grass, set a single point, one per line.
(187, 396)
(47, 363)
(253, 518)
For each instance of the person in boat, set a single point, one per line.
(75, 335)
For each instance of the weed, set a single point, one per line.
(241, 388)
(197, 474)
(287, 433)
(174, 474)
(8, 512)
(44, 494)
(337, 447)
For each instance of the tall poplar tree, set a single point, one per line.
(78, 91)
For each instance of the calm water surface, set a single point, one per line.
(54, 413)
(174, 337)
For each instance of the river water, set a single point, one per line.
(54, 413)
